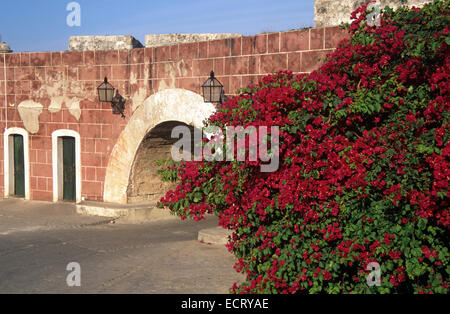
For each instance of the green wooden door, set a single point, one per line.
(19, 166)
(68, 168)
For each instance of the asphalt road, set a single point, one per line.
(38, 240)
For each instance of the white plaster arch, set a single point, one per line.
(167, 105)
(6, 161)
(57, 163)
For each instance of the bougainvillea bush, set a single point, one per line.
(364, 166)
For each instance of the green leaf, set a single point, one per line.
(417, 252)
(197, 197)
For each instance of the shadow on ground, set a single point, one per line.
(38, 240)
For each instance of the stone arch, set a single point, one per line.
(145, 183)
(167, 105)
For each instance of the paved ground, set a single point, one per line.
(38, 241)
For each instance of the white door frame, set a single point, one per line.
(57, 164)
(8, 153)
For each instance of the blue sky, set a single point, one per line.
(40, 25)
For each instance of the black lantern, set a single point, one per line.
(106, 94)
(105, 91)
(118, 104)
(212, 90)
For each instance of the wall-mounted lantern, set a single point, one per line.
(212, 90)
(106, 94)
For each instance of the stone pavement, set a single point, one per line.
(38, 240)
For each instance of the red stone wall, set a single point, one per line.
(137, 74)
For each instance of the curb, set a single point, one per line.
(216, 235)
(125, 213)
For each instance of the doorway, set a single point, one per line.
(16, 163)
(66, 166)
(68, 171)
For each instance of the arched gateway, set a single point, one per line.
(168, 105)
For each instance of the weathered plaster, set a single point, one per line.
(173, 70)
(56, 104)
(54, 87)
(138, 97)
(73, 104)
(167, 105)
(29, 112)
(169, 84)
(51, 87)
